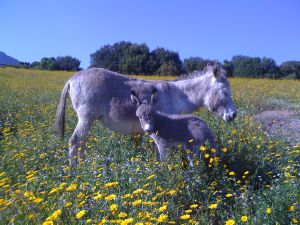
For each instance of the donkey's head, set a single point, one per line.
(218, 97)
(145, 111)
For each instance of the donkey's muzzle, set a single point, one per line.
(229, 116)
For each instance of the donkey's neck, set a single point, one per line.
(195, 91)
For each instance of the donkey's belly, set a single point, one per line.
(121, 117)
(122, 126)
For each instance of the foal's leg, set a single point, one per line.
(77, 141)
(188, 151)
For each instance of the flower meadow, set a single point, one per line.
(250, 179)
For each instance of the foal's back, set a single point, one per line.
(182, 128)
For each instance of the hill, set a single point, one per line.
(7, 60)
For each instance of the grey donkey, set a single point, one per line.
(168, 130)
(100, 94)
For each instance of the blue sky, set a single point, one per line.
(32, 29)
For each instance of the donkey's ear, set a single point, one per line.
(134, 99)
(153, 96)
(216, 70)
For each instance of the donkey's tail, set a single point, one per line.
(60, 113)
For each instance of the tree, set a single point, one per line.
(123, 57)
(167, 59)
(134, 60)
(105, 57)
(67, 63)
(228, 67)
(269, 68)
(35, 65)
(195, 64)
(130, 58)
(168, 68)
(48, 64)
(247, 66)
(290, 69)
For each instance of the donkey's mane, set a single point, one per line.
(198, 73)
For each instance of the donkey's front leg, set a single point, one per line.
(163, 152)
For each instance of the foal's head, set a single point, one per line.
(145, 111)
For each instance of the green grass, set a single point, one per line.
(120, 183)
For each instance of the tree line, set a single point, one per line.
(67, 63)
(131, 58)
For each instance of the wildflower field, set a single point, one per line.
(250, 179)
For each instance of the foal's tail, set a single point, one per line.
(60, 113)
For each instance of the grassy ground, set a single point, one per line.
(251, 179)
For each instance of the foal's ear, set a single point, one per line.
(153, 96)
(216, 70)
(134, 99)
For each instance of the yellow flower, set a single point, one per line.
(230, 222)
(113, 208)
(231, 173)
(48, 223)
(268, 210)
(80, 214)
(139, 191)
(185, 217)
(103, 221)
(71, 187)
(244, 218)
(38, 200)
(194, 206)
(54, 215)
(228, 195)
(88, 221)
(98, 196)
(31, 216)
(213, 206)
(202, 148)
(150, 177)
(162, 218)
(137, 202)
(122, 215)
(224, 150)
(110, 197)
(292, 208)
(111, 184)
(54, 190)
(206, 155)
(163, 208)
(171, 192)
(127, 196)
(68, 204)
(126, 221)
(144, 215)
(294, 220)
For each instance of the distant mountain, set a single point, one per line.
(7, 60)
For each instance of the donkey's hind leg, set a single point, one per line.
(77, 141)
